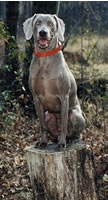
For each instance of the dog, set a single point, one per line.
(51, 82)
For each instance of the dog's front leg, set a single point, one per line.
(40, 112)
(64, 121)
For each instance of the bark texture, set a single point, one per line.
(62, 175)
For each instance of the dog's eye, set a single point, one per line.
(50, 23)
(38, 22)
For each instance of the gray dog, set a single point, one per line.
(51, 82)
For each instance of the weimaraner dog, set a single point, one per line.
(51, 82)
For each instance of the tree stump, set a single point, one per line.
(62, 175)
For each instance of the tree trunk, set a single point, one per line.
(62, 175)
(12, 16)
(58, 8)
(3, 10)
(25, 11)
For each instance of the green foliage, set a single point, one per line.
(13, 79)
(7, 111)
(7, 37)
(3, 32)
(9, 77)
(10, 117)
(11, 54)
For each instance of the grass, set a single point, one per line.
(97, 47)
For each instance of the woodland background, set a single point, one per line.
(86, 52)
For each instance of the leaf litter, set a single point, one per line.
(14, 175)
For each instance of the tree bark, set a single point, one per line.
(12, 16)
(62, 175)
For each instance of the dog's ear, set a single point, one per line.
(28, 27)
(61, 28)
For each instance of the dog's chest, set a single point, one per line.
(45, 85)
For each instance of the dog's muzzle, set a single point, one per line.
(43, 40)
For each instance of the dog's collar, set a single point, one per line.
(48, 53)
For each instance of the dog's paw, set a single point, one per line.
(41, 145)
(71, 140)
(61, 147)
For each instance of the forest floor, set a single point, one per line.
(14, 176)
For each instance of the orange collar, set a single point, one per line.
(48, 53)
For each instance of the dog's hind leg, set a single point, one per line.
(76, 124)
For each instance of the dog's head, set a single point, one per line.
(45, 29)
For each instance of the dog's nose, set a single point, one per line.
(42, 33)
